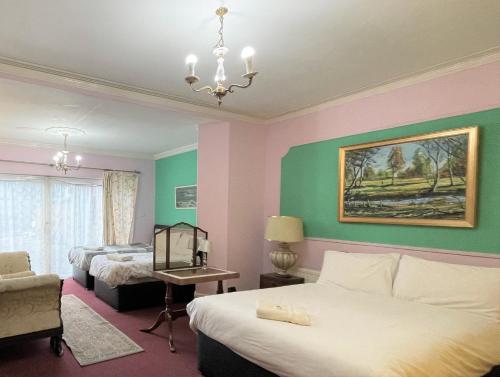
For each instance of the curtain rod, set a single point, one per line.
(81, 167)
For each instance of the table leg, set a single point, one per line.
(159, 320)
(220, 287)
(166, 315)
(169, 299)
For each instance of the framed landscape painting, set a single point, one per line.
(185, 197)
(427, 179)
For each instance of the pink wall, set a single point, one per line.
(213, 188)
(231, 161)
(246, 201)
(464, 92)
(144, 220)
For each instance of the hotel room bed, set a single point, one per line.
(352, 334)
(80, 257)
(127, 285)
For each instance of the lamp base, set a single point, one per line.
(283, 259)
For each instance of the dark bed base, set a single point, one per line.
(216, 360)
(140, 295)
(83, 278)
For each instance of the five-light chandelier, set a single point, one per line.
(220, 51)
(61, 160)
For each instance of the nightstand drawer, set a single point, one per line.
(274, 280)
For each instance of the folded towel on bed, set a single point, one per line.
(93, 248)
(283, 313)
(120, 257)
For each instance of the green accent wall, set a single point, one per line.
(309, 188)
(177, 170)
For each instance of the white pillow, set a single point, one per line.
(469, 288)
(372, 273)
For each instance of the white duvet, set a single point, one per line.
(116, 273)
(352, 334)
(82, 257)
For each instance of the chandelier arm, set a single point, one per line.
(242, 86)
(206, 87)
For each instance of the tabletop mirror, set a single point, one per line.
(177, 246)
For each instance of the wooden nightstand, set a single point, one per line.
(275, 280)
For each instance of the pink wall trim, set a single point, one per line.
(471, 90)
(144, 219)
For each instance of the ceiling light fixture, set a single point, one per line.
(61, 158)
(220, 51)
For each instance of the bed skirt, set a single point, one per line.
(83, 278)
(216, 360)
(140, 295)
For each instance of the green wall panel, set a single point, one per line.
(178, 170)
(309, 188)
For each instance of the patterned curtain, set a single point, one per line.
(120, 194)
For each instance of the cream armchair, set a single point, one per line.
(30, 305)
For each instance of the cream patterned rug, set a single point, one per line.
(90, 337)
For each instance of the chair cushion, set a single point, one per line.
(22, 274)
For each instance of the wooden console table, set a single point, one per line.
(185, 277)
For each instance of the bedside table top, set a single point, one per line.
(285, 279)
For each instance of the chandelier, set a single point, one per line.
(61, 158)
(220, 51)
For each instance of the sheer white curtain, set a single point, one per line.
(75, 219)
(47, 216)
(22, 208)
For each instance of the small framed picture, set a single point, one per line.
(185, 197)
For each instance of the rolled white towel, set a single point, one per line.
(120, 257)
(281, 313)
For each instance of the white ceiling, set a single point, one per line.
(27, 110)
(307, 52)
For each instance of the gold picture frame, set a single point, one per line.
(377, 184)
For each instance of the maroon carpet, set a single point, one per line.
(35, 359)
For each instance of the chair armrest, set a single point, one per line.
(13, 262)
(30, 282)
(30, 304)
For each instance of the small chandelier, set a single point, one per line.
(220, 76)
(61, 158)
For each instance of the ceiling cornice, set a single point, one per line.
(78, 149)
(42, 75)
(173, 152)
(475, 60)
(32, 73)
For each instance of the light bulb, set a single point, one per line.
(55, 158)
(247, 52)
(247, 55)
(78, 158)
(59, 154)
(191, 61)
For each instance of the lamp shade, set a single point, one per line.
(284, 229)
(205, 246)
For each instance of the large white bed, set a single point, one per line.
(353, 332)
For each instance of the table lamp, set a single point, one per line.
(285, 230)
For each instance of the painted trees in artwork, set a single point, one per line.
(356, 163)
(395, 161)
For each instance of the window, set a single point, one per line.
(47, 216)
